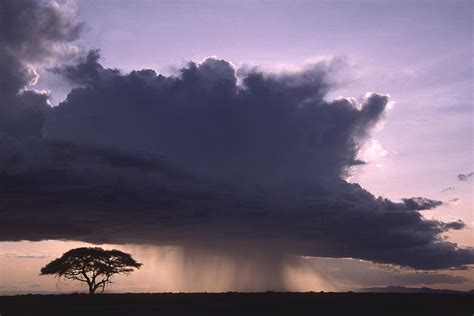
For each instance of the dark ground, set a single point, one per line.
(224, 304)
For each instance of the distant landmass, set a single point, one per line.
(403, 289)
(386, 289)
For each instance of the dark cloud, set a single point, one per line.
(258, 133)
(465, 177)
(350, 273)
(212, 158)
(420, 203)
(457, 225)
(31, 33)
(448, 189)
(88, 71)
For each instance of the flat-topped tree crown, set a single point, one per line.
(92, 265)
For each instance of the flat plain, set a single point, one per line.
(223, 304)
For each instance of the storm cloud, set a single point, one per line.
(31, 34)
(267, 130)
(213, 157)
(420, 203)
(362, 273)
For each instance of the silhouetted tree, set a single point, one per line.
(92, 265)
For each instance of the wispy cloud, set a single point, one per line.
(465, 177)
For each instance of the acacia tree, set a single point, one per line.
(92, 265)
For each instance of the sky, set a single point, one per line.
(308, 146)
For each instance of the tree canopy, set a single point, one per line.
(92, 265)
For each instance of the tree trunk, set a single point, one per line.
(91, 289)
